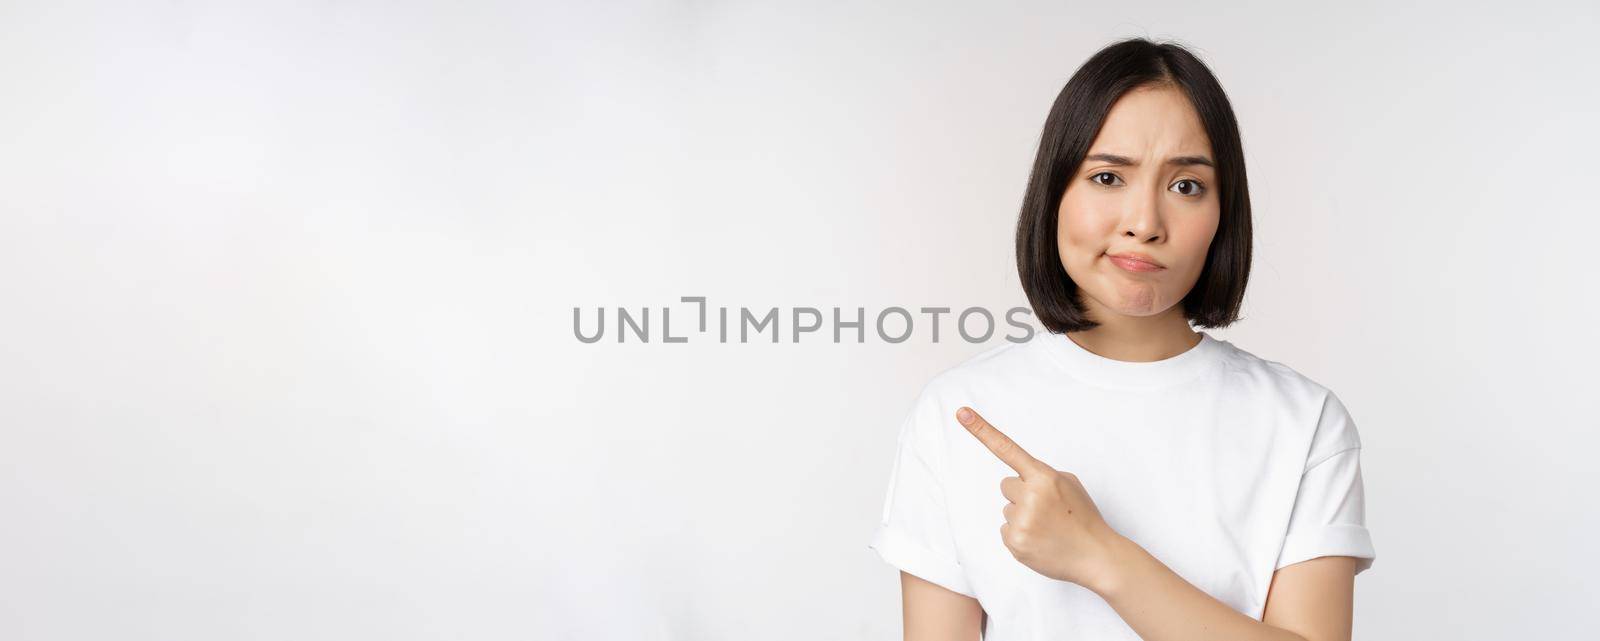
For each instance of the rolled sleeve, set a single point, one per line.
(902, 551)
(914, 532)
(1330, 510)
(1329, 516)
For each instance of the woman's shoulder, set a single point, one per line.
(1332, 427)
(1274, 377)
(1007, 369)
(1004, 360)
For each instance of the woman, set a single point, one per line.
(1123, 476)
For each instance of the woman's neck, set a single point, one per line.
(1137, 338)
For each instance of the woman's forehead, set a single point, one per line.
(1159, 119)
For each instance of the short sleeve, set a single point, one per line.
(1329, 516)
(914, 531)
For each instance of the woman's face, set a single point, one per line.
(1146, 188)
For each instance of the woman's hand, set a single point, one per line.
(1052, 526)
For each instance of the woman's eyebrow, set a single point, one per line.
(1175, 160)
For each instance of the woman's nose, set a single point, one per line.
(1143, 219)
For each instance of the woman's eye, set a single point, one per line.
(1194, 189)
(1105, 179)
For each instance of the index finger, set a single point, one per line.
(1003, 447)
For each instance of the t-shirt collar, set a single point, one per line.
(1107, 372)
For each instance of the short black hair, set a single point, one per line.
(1074, 121)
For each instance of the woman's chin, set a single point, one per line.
(1136, 299)
(1135, 303)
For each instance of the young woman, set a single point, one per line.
(1123, 476)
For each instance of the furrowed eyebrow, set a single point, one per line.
(1176, 160)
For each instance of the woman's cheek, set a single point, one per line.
(1075, 254)
(1077, 238)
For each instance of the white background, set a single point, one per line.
(286, 342)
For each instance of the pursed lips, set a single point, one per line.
(1136, 262)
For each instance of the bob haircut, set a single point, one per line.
(1075, 119)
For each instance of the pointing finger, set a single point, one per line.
(1003, 447)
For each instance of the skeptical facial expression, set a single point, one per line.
(1138, 217)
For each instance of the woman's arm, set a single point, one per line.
(933, 613)
(1053, 527)
(1308, 601)
(1314, 598)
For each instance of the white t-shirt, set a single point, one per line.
(1223, 465)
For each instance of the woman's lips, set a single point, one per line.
(1134, 265)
